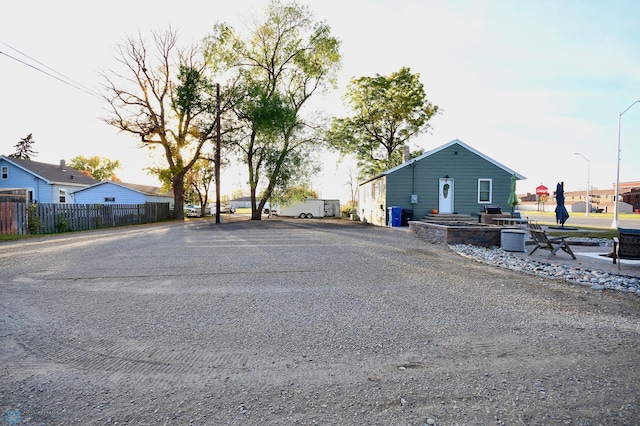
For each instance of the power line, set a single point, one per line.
(66, 80)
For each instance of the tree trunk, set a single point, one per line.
(178, 197)
(256, 214)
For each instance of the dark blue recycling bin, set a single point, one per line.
(395, 216)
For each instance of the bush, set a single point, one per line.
(62, 224)
(34, 224)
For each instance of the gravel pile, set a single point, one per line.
(597, 280)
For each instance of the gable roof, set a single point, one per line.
(52, 173)
(241, 199)
(143, 189)
(440, 148)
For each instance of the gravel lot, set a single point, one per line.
(302, 322)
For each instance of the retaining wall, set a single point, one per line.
(478, 235)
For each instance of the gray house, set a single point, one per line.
(453, 178)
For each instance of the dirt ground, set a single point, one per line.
(301, 322)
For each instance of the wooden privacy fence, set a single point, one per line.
(40, 218)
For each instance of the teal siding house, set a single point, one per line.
(453, 178)
(43, 183)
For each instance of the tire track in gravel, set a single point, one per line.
(115, 357)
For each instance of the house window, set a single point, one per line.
(4, 173)
(485, 190)
(109, 199)
(63, 196)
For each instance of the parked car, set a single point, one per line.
(191, 210)
(223, 209)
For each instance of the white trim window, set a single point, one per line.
(485, 191)
(4, 172)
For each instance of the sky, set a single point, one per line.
(529, 83)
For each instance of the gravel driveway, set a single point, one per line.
(301, 322)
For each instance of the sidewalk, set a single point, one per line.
(587, 257)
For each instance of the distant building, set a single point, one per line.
(602, 200)
(633, 198)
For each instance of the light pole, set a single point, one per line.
(615, 223)
(588, 208)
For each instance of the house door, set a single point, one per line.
(445, 195)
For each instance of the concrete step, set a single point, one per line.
(446, 217)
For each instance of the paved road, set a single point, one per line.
(301, 322)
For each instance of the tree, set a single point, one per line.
(99, 168)
(388, 112)
(198, 182)
(276, 69)
(23, 148)
(166, 101)
(293, 194)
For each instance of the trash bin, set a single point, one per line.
(512, 240)
(395, 216)
(407, 215)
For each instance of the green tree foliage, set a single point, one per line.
(275, 70)
(198, 182)
(163, 98)
(293, 194)
(387, 113)
(24, 148)
(99, 168)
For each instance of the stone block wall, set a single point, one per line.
(478, 235)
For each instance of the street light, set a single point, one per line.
(588, 208)
(615, 205)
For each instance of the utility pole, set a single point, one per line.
(588, 201)
(217, 156)
(616, 206)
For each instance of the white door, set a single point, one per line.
(445, 197)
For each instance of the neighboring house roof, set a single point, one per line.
(440, 148)
(241, 199)
(143, 189)
(52, 173)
